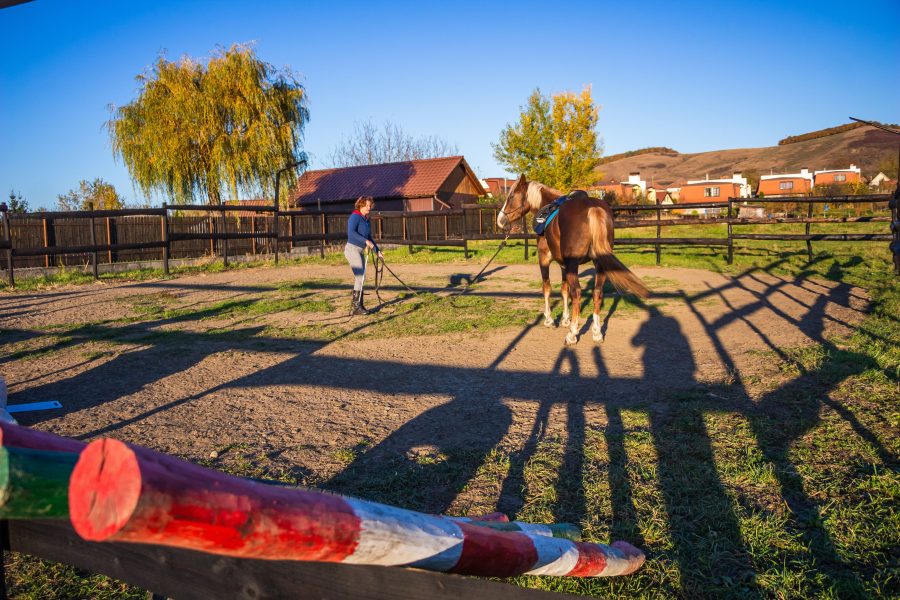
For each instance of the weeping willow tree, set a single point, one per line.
(197, 130)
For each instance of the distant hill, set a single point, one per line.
(864, 146)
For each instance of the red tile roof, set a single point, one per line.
(409, 179)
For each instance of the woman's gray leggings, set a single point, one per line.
(356, 257)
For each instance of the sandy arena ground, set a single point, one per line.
(299, 402)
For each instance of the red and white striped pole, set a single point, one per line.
(130, 494)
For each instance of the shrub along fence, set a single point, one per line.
(45, 239)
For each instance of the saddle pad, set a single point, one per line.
(546, 215)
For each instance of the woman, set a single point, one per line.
(359, 239)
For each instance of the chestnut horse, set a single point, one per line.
(582, 231)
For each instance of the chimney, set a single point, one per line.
(804, 171)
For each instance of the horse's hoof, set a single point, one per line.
(571, 339)
(565, 322)
(548, 322)
(598, 337)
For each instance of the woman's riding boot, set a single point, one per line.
(358, 308)
(362, 306)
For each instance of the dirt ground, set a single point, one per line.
(326, 409)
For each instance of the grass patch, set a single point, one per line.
(423, 314)
(32, 578)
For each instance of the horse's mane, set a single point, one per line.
(534, 195)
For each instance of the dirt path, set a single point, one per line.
(222, 382)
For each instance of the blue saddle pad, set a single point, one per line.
(547, 214)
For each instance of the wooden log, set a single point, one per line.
(23, 437)
(130, 494)
(34, 484)
(34, 472)
(189, 575)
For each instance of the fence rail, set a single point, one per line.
(189, 231)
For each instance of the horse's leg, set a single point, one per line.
(565, 322)
(545, 277)
(599, 281)
(544, 260)
(575, 294)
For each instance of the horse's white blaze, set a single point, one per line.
(502, 219)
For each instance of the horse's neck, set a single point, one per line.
(539, 195)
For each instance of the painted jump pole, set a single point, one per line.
(122, 493)
(34, 473)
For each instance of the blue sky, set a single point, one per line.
(692, 76)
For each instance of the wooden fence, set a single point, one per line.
(46, 239)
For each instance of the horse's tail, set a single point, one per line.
(619, 275)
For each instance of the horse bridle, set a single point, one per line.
(520, 210)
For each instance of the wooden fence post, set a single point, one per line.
(658, 232)
(323, 225)
(894, 204)
(426, 227)
(212, 242)
(809, 214)
(253, 234)
(225, 238)
(7, 237)
(275, 224)
(93, 241)
(446, 227)
(408, 246)
(466, 248)
(164, 224)
(109, 240)
(291, 232)
(730, 238)
(46, 240)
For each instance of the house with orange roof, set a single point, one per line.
(787, 184)
(497, 187)
(837, 176)
(714, 190)
(413, 185)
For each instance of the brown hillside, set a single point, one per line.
(865, 147)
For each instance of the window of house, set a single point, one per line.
(710, 192)
(838, 178)
(786, 185)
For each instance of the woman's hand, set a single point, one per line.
(369, 244)
(380, 255)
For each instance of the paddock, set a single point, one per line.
(680, 433)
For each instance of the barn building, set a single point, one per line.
(414, 185)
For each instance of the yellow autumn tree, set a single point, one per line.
(554, 141)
